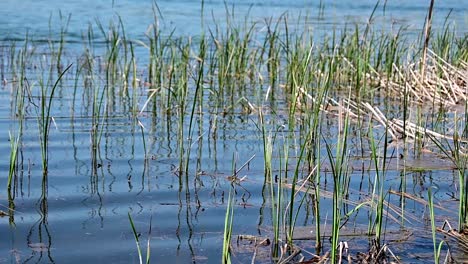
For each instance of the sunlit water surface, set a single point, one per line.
(79, 214)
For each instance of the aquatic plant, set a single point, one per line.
(339, 171)
(315, 97)
(136, 235)
(44, 116)
(378, 184)
(228, 223)
(453, 149)
(437, 247)
(64, 23)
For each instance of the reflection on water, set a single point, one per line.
(107, 160)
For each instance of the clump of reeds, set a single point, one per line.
(312, 98)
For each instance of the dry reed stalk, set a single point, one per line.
(442, 83)
(397, 126)
(392, 212)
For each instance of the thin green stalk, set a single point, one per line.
(379, 180)
(228, 222)
(14, 142)
(318, 242)
(454, 153)
(437, 248)
(97, 125)
(339, 172)
(276, 197)
(136, 235)
(44, 119)
(292, 217)
(63, 32)
(276, 203)
(198, 96)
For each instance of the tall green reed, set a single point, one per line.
(44, 116)
(275, 196)
(14, 146)
(88, 69)
(12, 173)
(197, 100)
(18, 106)
(228, 223)
(378, 184)
(61, 42)
(233, 52)
(339, 171)
(453, 150)
(437, 248)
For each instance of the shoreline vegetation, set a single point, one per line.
(361, 100)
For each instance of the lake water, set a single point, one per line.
(18, 17)
(80, 214)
